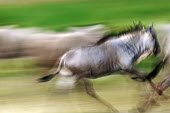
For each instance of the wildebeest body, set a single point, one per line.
(103, 59)
(92, 61)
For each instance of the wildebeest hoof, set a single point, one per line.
(160, 92)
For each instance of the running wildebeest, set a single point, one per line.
(110, 54)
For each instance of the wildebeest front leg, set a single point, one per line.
(152, 101)
(143, 76)
(163, 85)
(90, 91)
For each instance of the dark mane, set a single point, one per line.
(135, 27)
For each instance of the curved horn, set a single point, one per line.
(149, 27)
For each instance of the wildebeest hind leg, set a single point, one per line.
(90, 91)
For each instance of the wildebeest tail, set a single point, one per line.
(159, 66)
(52, 75)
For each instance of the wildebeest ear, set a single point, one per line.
(150, 27)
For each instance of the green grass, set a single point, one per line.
(59, 15)
(18, 67)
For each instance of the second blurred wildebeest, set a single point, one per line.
(44, 45)
(164, 84)
(110, 54)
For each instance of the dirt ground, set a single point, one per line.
(25, 95)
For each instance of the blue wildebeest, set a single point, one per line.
(110, 54)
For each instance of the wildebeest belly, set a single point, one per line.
(90, 63)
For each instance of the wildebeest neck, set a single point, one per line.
(133, 45)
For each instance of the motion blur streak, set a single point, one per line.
(46, 46)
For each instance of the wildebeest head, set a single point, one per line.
(154, 41)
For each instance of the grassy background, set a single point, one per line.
(58, 15)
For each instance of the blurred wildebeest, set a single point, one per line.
(163, 85)
(46, 46)
(110, 54)
(165, 33)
